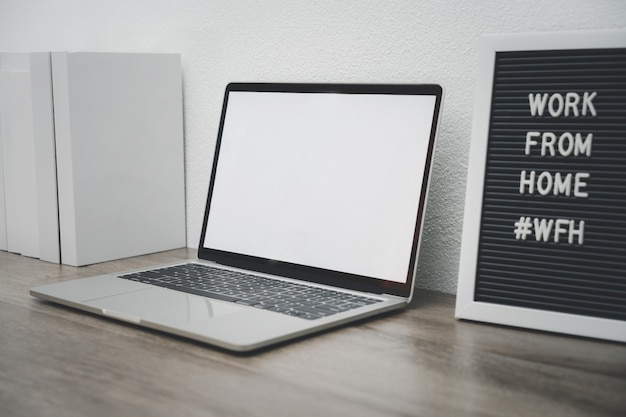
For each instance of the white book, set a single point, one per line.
(29, 175)
(18, 150)
(45, 157)
(120, 154)
(3, 214)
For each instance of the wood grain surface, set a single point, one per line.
(56, 361)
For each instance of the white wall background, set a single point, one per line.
(394, 41)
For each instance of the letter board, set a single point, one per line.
(544, 237)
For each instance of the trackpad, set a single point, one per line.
(163, 306)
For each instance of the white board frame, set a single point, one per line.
(466, 306)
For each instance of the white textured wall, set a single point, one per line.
(395, 41)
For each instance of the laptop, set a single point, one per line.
(313, 219)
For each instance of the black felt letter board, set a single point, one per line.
(553, 222)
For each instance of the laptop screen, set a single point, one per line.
(327, 180)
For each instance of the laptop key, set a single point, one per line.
(247, 302)
(313, 310)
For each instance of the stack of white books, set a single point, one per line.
(91, 155)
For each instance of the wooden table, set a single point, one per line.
(55, 361)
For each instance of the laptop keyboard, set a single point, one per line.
(298, 300)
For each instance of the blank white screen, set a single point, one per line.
(325, 180)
